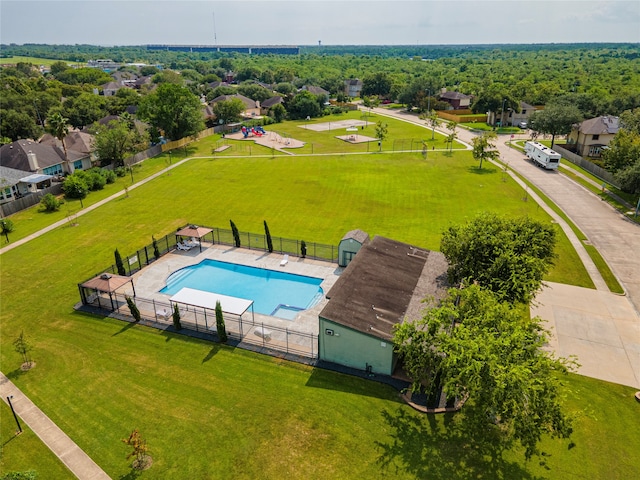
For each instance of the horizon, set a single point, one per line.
(307, 22)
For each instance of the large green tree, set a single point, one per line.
(377, 83)
(509, 256)
(487, 353)
(84, 109)
(174, 110)
(304, 104)
(117, 140)
(555, 119)
(228, 111)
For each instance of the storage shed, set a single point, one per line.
(351, 244)
(383, 285)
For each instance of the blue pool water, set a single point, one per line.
(274, 293)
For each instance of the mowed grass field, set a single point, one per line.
(215, 412)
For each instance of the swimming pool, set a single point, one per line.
(274, 293)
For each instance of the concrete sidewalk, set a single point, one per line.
(55, 439)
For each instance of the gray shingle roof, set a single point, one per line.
(384, 282)
(606, 124)
(14, 155)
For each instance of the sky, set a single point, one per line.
(306, 22)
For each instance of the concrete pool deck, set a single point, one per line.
(151, 279)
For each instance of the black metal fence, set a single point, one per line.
(253, 241)
(244, 331)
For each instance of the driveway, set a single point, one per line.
(600, 328)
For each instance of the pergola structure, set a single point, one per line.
(193, 231)
(103, 283)
(207, 301)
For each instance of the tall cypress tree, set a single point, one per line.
(222, 330)
(236, 234)
(119, 264)
(268, 235)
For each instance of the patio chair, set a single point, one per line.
(182, 246)
(192, 242)
(285, 260)
(163, 313)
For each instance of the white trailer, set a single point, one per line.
(542, 156)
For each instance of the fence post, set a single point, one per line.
(287, 336)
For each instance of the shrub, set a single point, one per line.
(50, 203)
(176, 317)
(75, 186)
(133, 308)
(110, 176)
(120, 171)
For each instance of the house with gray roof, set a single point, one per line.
(30, 156)
(352, 87)
(384, 285)
(79, 146)
(456, 100)
(270, 102)
(590, 137)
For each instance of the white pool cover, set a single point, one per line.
(199, 298)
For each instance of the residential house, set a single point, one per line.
(516, 118)
(252, 107)
(588, 138)
(456, 100)
(17, 183)
(31, 157)
(316, 90)
(352, 87)
(270, 102)
(384, 284)
(110, 89)
(79, 149)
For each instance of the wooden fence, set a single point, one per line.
(576, 159)
(28, 200)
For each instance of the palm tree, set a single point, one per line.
(58, 127)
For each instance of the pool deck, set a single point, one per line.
(151, 279)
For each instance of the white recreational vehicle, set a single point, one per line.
(543, 156)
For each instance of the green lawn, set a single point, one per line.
(18, 452)
(400, 136)
(35, 60)
(217, 412)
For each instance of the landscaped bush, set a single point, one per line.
(110, 176)
(49, 203)
(120, 171)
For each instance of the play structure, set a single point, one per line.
(253, 131)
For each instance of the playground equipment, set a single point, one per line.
(253, 131)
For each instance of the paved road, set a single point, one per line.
(616, 238)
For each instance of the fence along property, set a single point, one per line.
(247, 333)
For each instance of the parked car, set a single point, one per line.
(522, 125)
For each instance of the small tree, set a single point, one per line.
(6, 227)
(49, 203)
(140, 449)
(381, 132)
(484, 147)
(119, 264)
(23, 347)
(176, 317)
(303, 248)
(236, 234)
(133, 308)
(268, 235)
(222, 331)
(156, 252)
